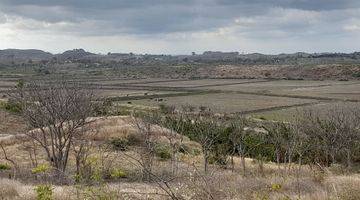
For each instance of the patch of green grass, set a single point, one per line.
(4, 167)
(44, 192)
(41, 169)
(10, 106)
(163, 151)
(118, 173)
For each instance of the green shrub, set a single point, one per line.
(44, 192)
(99, 192)
(356, 75)
(275, 187)
(11, 106)
(97, 175)
(41, 169)
(219, 159)
(4, 167)
(262, 118)
(117, 173)
(196, 152)
(134, 139)
(120, 144)
(123, 112)
(185, 149)
(163, 151)
(165, 109)
(190, 148)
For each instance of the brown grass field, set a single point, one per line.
(227, 102)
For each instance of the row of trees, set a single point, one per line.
(312, 138)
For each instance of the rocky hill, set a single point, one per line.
(73, 55)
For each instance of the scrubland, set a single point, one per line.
(66, 143)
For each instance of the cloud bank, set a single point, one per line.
(181, 26)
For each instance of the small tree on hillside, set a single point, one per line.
(237, 139)
(56, 111)
(206, 132)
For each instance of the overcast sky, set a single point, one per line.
(181, 26)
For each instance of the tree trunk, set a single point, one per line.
(261, 166)
(206, 161)
(243, 162)
(348, 158)
(278, 158)
(232, 163)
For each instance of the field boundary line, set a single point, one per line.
(292, 96)
(276, 108)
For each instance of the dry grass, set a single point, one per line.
(127, 92)
(11, 123)
(105, 128)
(101, 129)
(220, 185)
(226, 102)
(277, 182)
(195, 83)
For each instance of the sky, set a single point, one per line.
(181, 26)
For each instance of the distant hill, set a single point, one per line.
(208, 57)
(74, 54)
(23, 55)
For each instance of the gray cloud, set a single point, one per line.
(158, 16)
(184, 19)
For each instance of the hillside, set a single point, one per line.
(19, 55)
(316, 66)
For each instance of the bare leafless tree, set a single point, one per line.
(55, 111)
(206, 133)
(332, 135)
(146, 149)
(12, 161)
(173, 133)
(237, 139)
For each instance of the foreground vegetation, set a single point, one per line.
(77, 149)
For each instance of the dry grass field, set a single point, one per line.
(224, 185)
(114, 81)
(232, 95)
(344, 92)
(200, 82)
(327, 89)
(227, 102)
(128, 92)
(289, 114)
